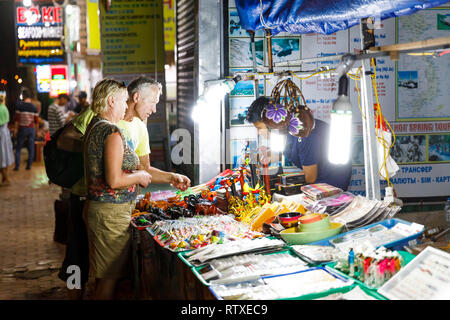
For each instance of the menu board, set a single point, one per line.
(132, 38)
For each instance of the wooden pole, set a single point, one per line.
(269, 49)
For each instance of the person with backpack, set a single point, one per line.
(112, 175)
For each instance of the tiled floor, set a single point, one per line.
(30, 259)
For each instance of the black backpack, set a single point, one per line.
(63, 168)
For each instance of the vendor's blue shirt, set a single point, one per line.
(314, 150)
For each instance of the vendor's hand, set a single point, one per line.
(144, 178)
(180, 181)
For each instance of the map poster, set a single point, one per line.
(321, 91)
(423, 86)
(385, 71)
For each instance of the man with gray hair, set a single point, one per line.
(143, 96)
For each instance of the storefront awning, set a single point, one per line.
(321, 16)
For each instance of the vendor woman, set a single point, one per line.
(309, 153)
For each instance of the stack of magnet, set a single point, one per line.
(290, 183)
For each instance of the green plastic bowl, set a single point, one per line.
(291, 236)
(322, 224)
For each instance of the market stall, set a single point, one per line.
(218, 241)
(252, 233)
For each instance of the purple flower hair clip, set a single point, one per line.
(277, 113)
(295, 125)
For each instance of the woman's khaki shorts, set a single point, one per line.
(109, 234)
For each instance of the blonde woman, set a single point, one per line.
(112, 177)
(6, 148)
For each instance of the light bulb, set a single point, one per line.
(340, 126)
(340, 137)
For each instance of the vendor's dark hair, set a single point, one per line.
(254, 112)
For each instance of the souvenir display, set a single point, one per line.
(220, 230)
(332, 205)
(288, 189)
(201, 255)
(315, 254)
(304, 233)
(372, 267)
(292, 285)
(362, 211)
(317, 191)
(174, 207)
(376, 236)
(292, 178)
(289, 219)
(426, 277)
(191, 233)
(141, 220)
(257, 216)
(247, 267)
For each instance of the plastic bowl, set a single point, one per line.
(322, 224)
(292, 237)
(289, 219)
(310, 218)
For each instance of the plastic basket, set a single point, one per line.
(196, 270)
(407, 257)
(389, 223)
(350, 282)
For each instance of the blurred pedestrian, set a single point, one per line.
(6, 148)
(25, 120)
(82, 102)
(57, 116)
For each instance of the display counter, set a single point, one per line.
(203, 256)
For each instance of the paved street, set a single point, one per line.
(29, 258)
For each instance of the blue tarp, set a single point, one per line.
(322, 16)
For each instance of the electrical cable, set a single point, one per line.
(311, 75)
(380, 116)
(355, 77)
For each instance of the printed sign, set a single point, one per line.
(132, 37)
(40, 33)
